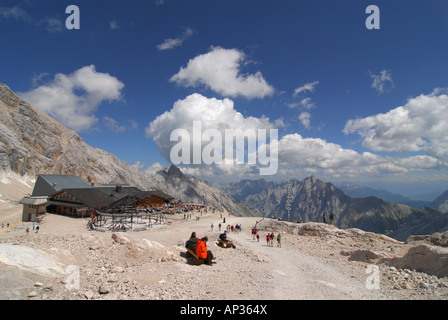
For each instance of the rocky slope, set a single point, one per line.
(32, 143)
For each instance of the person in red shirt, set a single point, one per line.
(202, 252)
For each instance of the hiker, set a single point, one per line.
(258, 236)
(323, 217)
(202, 252)
(279, 240)
(331, 218)
(219, 226)
(268, 239)
(212, 226)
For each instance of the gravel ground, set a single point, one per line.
(152, 264)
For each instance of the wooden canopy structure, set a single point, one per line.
(128, 213)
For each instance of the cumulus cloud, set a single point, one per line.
(213, 116)
(314, 152)
(73, 99)
(332, 159)
(219, 70)
(420, 125)
(295, 151)
(175, 42)
(383, 81)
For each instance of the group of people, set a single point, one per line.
(324, 218)
(199, 247)
(270, 239)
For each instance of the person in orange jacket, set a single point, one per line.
(202, 252)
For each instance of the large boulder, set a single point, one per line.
(423, 258)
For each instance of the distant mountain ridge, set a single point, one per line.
(32, 143)
(311, 197)
(358, 191)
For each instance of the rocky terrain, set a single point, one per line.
(315, 261)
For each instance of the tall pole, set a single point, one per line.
(288, 199)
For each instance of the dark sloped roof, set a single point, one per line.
(161, 194)
(49, 184)
(129, 200)
(99, 196)
(134, 199)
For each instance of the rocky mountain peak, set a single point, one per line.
(175, 172)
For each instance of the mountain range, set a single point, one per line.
(311, 197)
(32, 143)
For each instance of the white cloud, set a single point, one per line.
(53, 25)
(306, 87)
(114, 25)
(304, 154)
(14, 13)
(420, 125)
(382, 82)
(152, 169)
(219, 70)
(304, 118)
(307, 103)
(314, 152)
(73, 99)
(211, 112)
(332, 159)
(113, 124)
(176, 42)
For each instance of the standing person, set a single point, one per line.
(323, 217)
(279, 240)
(212, 226)
(202, 252)
(219, 226)
(258, 236)
(331, 218)
(268, 239)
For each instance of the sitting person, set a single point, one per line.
(223, 238)
(191, 243)
(202, 252)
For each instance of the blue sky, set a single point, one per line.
(349, 103)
